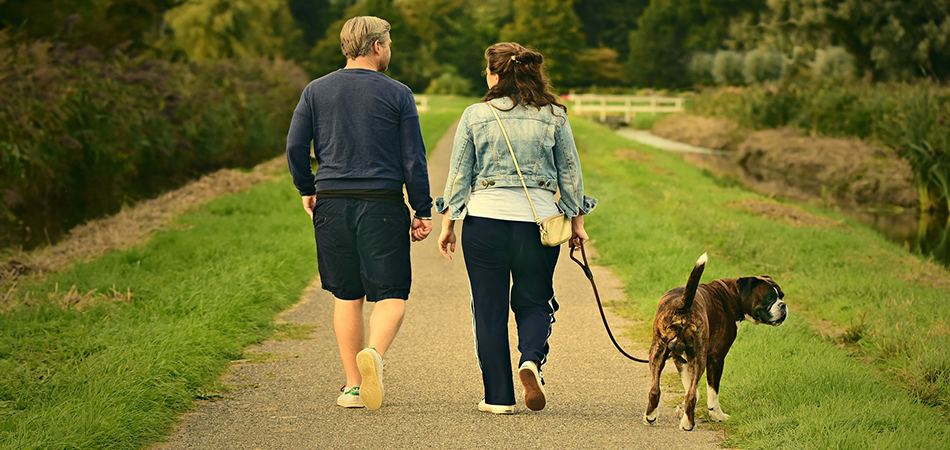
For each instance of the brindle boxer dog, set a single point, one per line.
(696, 325)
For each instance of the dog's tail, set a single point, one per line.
(693, 282)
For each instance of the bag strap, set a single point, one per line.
(520, 177)
(590, 276)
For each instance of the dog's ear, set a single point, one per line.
(747, 284)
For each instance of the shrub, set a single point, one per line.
(834, 64)
(449, 83)
(700, 68)
(86, 133)
(727, 68)
(763, 65)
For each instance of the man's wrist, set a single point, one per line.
(422, 217)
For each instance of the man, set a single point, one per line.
(366, 139)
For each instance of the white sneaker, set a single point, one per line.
(350, 398)
(534, 397)
(496, 409)
(371, 369)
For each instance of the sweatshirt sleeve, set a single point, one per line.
(299, 139)
(415, 169)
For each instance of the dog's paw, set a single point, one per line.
(718, 416)
(649, 419)
(685, 424)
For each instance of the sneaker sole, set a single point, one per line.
(350, 405)
(371, 390)
(496, 409)
(534, 397)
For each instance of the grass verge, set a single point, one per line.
(105, 354)
(793, 386)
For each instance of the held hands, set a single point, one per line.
(420, 229)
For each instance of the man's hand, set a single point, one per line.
(309, 201)
(420, 229)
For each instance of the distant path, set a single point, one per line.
(596, 397)
(653, 140)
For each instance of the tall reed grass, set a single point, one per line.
(912, 118)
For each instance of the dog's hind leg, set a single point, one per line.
(713, 376)
(658, 355)
(696, 365)
(684, 376)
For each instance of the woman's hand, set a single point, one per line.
(578, 234)
(447, 238)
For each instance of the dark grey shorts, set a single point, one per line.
(363, 248)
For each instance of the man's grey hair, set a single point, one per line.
(360, 33)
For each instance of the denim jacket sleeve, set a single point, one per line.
(461, 171)
(570, 180)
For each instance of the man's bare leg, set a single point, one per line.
(384, 323)
(348, 326)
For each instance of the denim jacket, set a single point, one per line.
(542, 141)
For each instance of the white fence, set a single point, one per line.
(628, 105)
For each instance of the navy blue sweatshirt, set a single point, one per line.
(365, 132)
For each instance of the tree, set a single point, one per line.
(101, 23)
(215, 29)
(608, 23)
(890, 39)
(669, 31)
(409, 58)
(551, 27)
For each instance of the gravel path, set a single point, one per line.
(596, 398)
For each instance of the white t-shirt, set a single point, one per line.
(510, 203)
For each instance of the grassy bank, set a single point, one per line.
(443, 112)
(850, 292)
(105, 355)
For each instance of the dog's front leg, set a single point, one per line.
(713, 376)
(658, 355)
(696, 364)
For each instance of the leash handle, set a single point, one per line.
(590, 276)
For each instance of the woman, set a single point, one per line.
(500, 236)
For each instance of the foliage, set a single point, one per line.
(85, 133)
(700, 67)
(552, 28)
(607, 24)
(834, 64)
(669, 31)
(450, 83)
(727, 68)
(760, 66)
(890, 39)
(600, 67)
(918, 129)
(133, 24)
(219, 29)
(409, 61)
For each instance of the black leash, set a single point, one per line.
(590, 276)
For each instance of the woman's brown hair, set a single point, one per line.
(520, 76)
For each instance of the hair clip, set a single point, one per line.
(513, 58)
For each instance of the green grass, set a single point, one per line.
(789, 386)
(114, 375)
(101, 371)
(443, 111)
